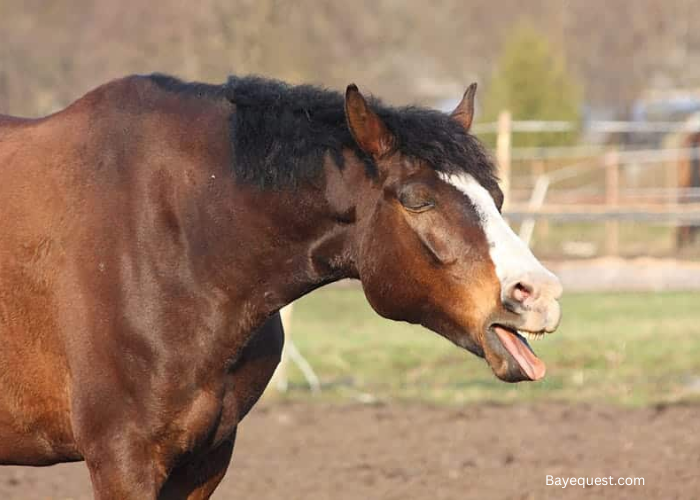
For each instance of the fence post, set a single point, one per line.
(538, 170)
(280, 379)
(612, 201)
(503, 145)
(673, 184)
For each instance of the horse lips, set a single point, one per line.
(516, 345)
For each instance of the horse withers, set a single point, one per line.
(152, 230)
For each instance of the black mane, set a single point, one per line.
(280, 133)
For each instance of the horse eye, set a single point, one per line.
(415, 199)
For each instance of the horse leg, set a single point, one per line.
(198, 479)
(121, 471)
(253, 371)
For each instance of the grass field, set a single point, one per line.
(635, 240)
(631, 349)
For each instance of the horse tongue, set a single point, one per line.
(516, 345)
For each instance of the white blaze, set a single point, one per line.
(510, 255)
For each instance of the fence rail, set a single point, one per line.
(605, 126)
(686, 214)
(607, 179)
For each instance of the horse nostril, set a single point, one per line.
(520, 292)
(530, 288)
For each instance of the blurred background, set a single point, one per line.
(592, 110)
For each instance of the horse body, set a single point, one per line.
(97, 259)
(140, 280)
(34, 416)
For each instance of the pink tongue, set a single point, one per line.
(533, 366)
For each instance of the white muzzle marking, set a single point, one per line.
(513, 260)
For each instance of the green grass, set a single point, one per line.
(635, 240)
(630, 349)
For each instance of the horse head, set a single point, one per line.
(434, 248)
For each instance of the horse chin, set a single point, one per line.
(472, 346)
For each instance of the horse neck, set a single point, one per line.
(286, 242)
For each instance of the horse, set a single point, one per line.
(152, 230)
(689, 177)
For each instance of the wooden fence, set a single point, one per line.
(584, 183)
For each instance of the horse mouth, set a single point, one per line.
(515, 360)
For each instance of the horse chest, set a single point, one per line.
(206, 422)
(244, 383)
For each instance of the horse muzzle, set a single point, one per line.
(533, 299)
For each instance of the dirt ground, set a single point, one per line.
(324, 451)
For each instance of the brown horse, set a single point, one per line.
(689, 177)
(152, 230)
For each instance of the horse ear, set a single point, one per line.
(464, 112)
(366, 127)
